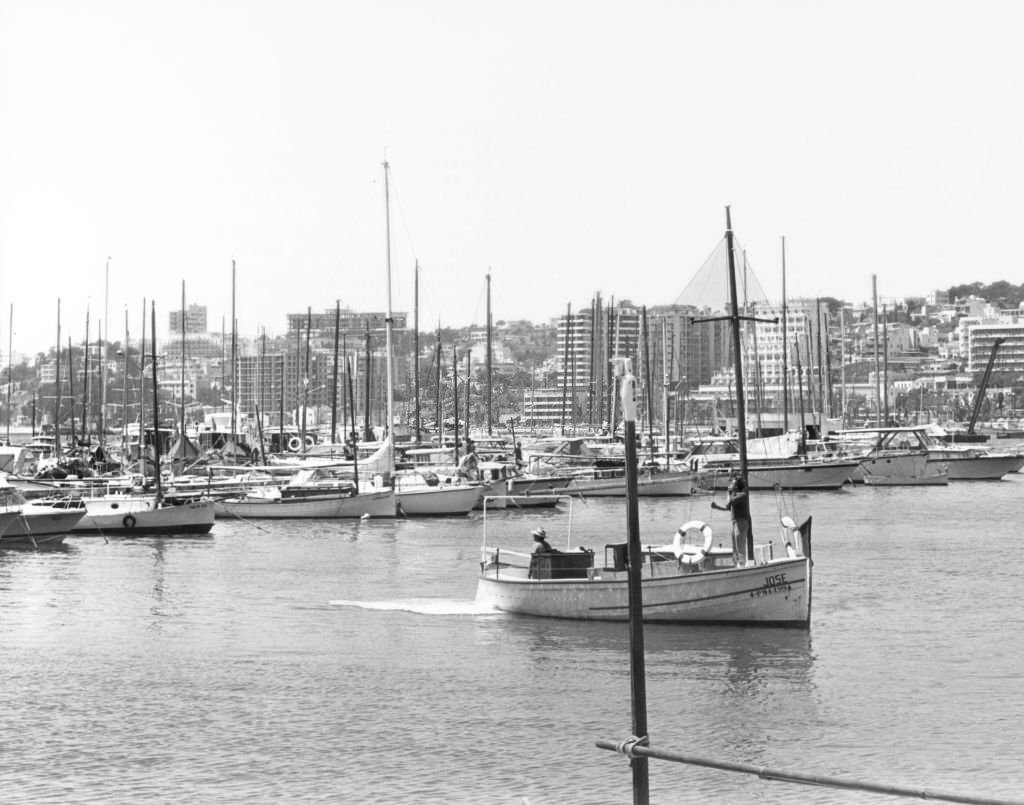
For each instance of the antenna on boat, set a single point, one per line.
(623, 370)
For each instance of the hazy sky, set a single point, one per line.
(570, 147)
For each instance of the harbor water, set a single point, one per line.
(347, 662)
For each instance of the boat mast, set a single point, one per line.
(439, 406)
(182, 420)
(455, 402)
(885, 361)
(469, 353)
(10, 371)
(142, 394)
(842, 366)
(785, 342)
(124, 397)
(667, 419)
(352, 406)
(57, 401)
(741, 409)
(367, 427)
(334, 381)
(234, 365)
(85, 382)
(71, 390)
(156, 406)
(388, 369)
(103, 361)
(416, 348)
(878, 391)
(490, 385)
(647, 384)
(565, 363)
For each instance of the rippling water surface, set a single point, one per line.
(347, 662)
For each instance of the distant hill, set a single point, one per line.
(1002, 294)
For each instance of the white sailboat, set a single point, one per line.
(681, 582)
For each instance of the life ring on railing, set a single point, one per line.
(795, 537)
(688, 554)
(294, 444)
(310, 441)
(128, 521)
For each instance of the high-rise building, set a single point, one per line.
(195, 320)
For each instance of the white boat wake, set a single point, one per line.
(421, 606)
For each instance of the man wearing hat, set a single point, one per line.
(540, 536)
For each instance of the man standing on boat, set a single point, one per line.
(739, 505)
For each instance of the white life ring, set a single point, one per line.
(294, 444)
(310, 441)
(688, 554)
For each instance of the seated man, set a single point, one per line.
(543, 546)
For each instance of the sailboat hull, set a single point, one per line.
(126, 515)
(371, 504)
(668, 484)
(776, 593)
(438, 501)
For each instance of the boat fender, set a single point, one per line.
(128, 521)
(687, 555)
(294, 444)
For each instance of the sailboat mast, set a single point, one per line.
(490, 376)
(57, 402)
(416, 349)
(334, 378)
(878, 391)
(124, 396)
(305, 380)
(103, 359)
(885, 359)
(455, 401)
(71, 389)
(234, 362)
(388, 369)
(469, 353)
(367, 427)
(142, 393)
(182, 420)
(85, 382)
(785, 348)
(842, 366)
(565, 363)
(156, 405)
(734, 320)
(10, 370)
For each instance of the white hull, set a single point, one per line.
(774, 593)
(535, 491)
(438, 501)
(43, 525)
(121, 514)
(903, 470)
(374, 504)
(979, 468)
(669, 484)
(794, 475)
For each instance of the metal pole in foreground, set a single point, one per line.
(637, 673)
(637, 751)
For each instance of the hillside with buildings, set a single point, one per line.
(913, 359)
